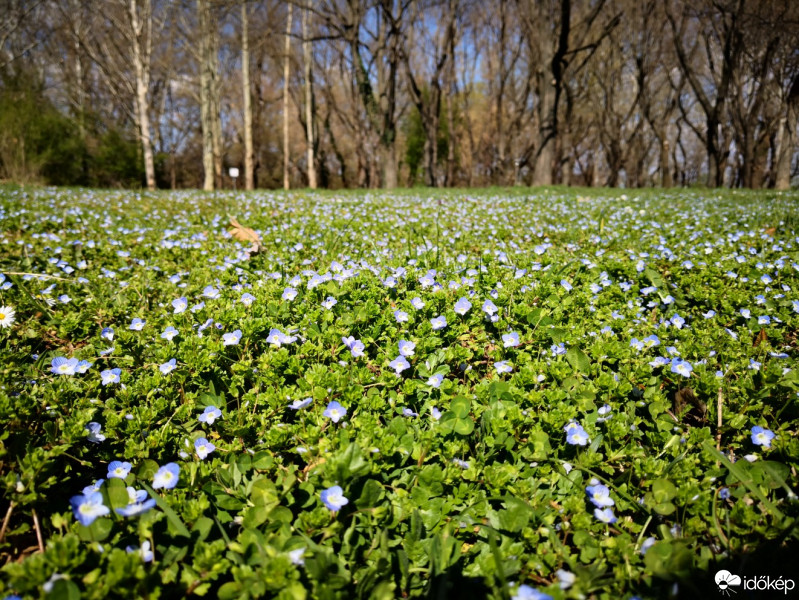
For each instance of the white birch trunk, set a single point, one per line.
(286, 158)
(249, 177)
(306, 43)
(142, 26)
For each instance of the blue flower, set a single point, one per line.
(211, 292)
(401, 316)
(435, 380)
(677, 321)
(651, 341)
(231, 339)
(167, 476)
(94, 432)
(489, 308)
(510, 340)
(137, 324)
(83, 366)
(298, 404)
(576, 435)
(209, 415)
(681, 367)
(646, 545)
(438, 323)
(566, 285)
(660, 361)
(169, 333)
(247, 299)
(88, 507)
(329, 302)
(118, 469)
(525, 592)
(145, 551)
(110, 376)
(335, 411)
(462, 306)
(107, 333)
(138, 503)
(63, 366)
(333, 498)
(605, 515)
(417, 303)
(557, 349)
(406, 348)
(724, 493)
(203, 447)
(180, 305)
(356, 346)
(95, 487)
(762, 436)
(503, 367)
(168, 366)
(599, 495)
(399, 364)
(289, 294)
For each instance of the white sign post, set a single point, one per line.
(233, 172)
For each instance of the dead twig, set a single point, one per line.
(718, 420)
(6, 519)
(38, 531)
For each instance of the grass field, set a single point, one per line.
(502, 393)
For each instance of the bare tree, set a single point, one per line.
(286, 65)
(249, 170)
(309, 99)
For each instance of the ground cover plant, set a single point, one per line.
(504, 394)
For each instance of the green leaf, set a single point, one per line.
(663, 490)
(460, 406)
(578, 360)
(351, 463)
(371, 495)
(741, 476)
(464, 426)
(171, 515)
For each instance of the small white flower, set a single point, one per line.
(7, 314)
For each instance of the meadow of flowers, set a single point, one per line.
(488, 394)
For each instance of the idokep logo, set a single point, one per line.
(727, 582)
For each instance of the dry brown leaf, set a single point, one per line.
(245, 234)
(759, 338)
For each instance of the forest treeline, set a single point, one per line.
(388, 93)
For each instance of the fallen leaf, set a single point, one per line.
(245, 234)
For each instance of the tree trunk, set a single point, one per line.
(389, 163)
(216, 105)
(785, 148)
(142, 42)
(286, 64)
(205, 96)
(665, 167)
(307, 57)
(249, 179)
(548, 82)
(786, 141)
